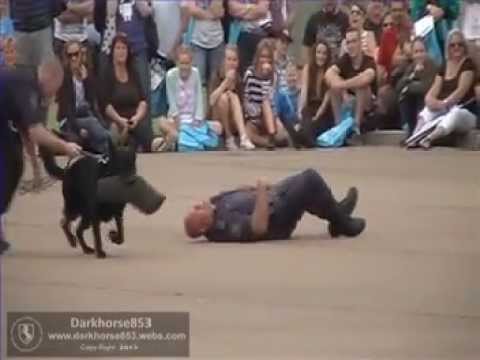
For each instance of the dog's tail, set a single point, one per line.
(50, 164)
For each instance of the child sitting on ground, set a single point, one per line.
(185, 99)
(263, 126)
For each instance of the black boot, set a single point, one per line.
(347, 205)
(347, 226)
(4, 246)
(343, 223)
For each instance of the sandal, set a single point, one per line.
(425, 144)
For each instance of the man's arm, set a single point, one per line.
(362, 80)
(184, 21)
(40, 135)
(260, 216)
(333, 77)
(249, 11)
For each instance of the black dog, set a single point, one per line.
(97, 190)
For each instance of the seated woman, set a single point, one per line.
(78, 113)
(263, 126)
(357, 18)
(394, 55)
(185, 99)
(394, 49)
(315, 109)
(450, 102)
(125, 103)
(225, 103)
(415, 81)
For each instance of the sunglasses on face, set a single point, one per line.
(73, 54)
(356, 12)
(456, 45)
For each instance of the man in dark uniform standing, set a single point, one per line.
(21, 94)
(272, 212)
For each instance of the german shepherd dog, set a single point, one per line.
(97, 190)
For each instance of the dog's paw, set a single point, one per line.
(72, 240)
(88, 250)
(101, 254)
(115, 237)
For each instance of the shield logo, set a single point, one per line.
(26, 332)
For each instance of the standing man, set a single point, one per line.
(268, 212)
(33, 22)
(21, 93)
(330, 24)
(71, 24)
(353, 75)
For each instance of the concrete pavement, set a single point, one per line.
(405, 289)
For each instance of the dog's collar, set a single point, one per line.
(101, 158)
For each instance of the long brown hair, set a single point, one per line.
(65, 58)
(268, 46)
(314, 87)
(123, 39)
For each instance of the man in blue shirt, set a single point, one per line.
(268, 212)
(21, 93)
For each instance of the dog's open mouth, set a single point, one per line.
(133, 190)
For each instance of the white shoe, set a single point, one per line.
(246, 144)
(159, 144)
(230, 144)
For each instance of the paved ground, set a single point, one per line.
(406, 289)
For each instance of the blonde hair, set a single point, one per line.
(451, 34)
(10, 44)
(184, 50)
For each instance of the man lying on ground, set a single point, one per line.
(271, 212)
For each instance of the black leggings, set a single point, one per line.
(11, 168)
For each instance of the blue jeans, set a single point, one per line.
(207, 60)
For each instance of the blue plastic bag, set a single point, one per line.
(194, 137)
(432, 44)
(434, 41)
(336, 136)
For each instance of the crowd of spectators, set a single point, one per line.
(192, 75)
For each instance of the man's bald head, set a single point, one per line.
(198, 220)
(50, 77)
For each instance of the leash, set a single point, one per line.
(101, 158)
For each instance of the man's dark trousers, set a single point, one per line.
(297, 194)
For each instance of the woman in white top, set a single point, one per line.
(450, 102)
